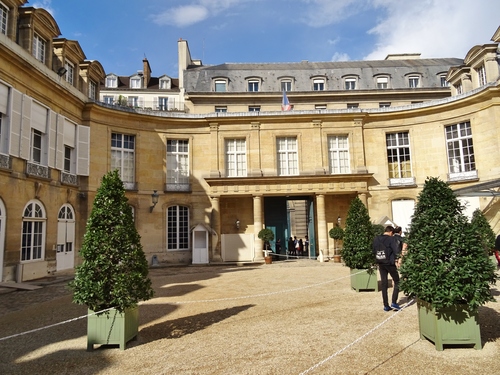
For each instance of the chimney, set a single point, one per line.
(147, 72)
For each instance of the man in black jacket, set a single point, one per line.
(386, 250)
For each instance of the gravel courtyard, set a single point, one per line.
(288, 317)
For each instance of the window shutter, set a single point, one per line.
(24, 151)
(4, 98)
(83, 150)
(15, 123)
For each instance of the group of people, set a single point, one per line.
(297, 246)
(389, 248)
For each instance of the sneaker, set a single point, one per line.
(395, 306)
(387, 308)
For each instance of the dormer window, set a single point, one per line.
(286, 84)
(70, 72)
(135, 82)
(443, 82)
(253, 85)
(382, 82)
(165, 84)
(39, 46)
(220, 85)
(4, 16)
(350, 83)
(112, 81)
(481, 75)
(413, 81)
(318, 84)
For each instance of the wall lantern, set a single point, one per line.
(237, 223)
(62, 71)
(339, 221)
(154, 200)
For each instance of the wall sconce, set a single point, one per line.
(154, 200)
(61, 71)
(237, 223)
(339, 221)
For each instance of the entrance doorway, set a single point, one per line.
(65, 257)
(291, 217)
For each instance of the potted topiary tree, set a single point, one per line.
(266, 235)
(337, 233)
(113, 276)
(445, 268)
(357, 251)
(486, 234)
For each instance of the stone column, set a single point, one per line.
(258, 225)
(362, 197)
(321, 219)
(216, 230)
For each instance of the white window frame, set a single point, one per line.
(33, 232)
(136, 82)
(350, 83)
(165, 84)
(460, 148)
(318, 84)
(481, 76)
(133, 101)
(382, 82)
(236, 157)
(413, 81)
(92, 90)
(112, 81)
(254, 108)
(4, 18)
(443, 82)
(220, 85)
(287, 156)
(70, 72)
(220, 109)
(39, 48)
(253, 85)
(163, 103)
(123, 157)
(338, 154)
(109, 99)
(398, 155)
(178, 162)
(286, 85)
(177, 228)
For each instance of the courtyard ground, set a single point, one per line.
(288, 317)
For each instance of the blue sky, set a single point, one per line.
(119, 34)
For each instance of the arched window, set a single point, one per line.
(33, 234)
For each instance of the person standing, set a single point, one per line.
(291, 246)
(306, 246)
(386, 250)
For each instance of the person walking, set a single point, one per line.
(386, 250)
(401, 245)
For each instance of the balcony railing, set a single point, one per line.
(463, 176)
(69, 179)
(400, 182)
(178, 187)
(37, 170)
(5, 162)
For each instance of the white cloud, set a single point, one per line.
(339, 56)
(321, 13)
(45, 4)
(434, 28)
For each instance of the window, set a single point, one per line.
(398, 155)
(384, 105)
(33, 234)
(39, 48)
(236, 158)
(253, 85)
(220, 85)
(288, 164)
(177, 162)
(162, 103)
(286, 85)
(221, 109)
(413, 81)
(481, 75)
(318, 84)
(70, 72)
(177, 228)
(443, 82)
(382, 82)
(350, 83)
(459, 89)
(123, 157)
(135, 83)
(254, 108)
(4, 11)
(165, 84)
(92, 90)
(352, 105)
(36, 146)
(320, 106)
(338, 154)
(133, 101)
(112, 81)
(109, 99)
(68, 157)
(460, 148)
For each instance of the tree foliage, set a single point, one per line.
(114, 272)
(484, 231)
(446, 263)
(358, 237)
(266, 235)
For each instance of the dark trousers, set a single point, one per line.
(393, 271)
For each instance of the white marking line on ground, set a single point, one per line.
(181, 302)
(358, 339)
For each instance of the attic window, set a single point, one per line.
(220, 85)
(165, 84)
(382, 82)
(111, 81)
(135, 83)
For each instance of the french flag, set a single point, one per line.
(285, 104)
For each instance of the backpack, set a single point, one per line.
(382, 252)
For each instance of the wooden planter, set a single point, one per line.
(112, 328)
(455, 325)
(364, 280)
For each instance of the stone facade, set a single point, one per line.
(238, 171)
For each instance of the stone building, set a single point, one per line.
(205, 180)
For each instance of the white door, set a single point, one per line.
(200, 245)
(65, 238)
(2, 237)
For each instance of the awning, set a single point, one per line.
(483, 189)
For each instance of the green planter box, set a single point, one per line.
(455, 325)
(113, 328)
(363, 280)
